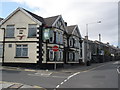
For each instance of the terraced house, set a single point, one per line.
(74, 49)
(29, 39)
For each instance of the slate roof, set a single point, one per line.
(70, 29)
(50, 20)
(1, 19)
(39, 18)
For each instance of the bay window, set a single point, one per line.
(70, 56)
(71, 42)
(51, 55)
(51, 37)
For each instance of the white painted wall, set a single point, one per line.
(20, 20)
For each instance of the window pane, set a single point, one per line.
(18, 52)
(10, 31)
(24, 52)
(18, 45)
(32, 29)
(51, 55)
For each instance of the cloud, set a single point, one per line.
(81, 12)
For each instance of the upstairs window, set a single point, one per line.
(61, 38)
(32, 30)
(51, 37)
(10, 31)
(71, 42)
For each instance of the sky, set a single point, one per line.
(80, 12)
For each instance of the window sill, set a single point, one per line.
(21, 57)
(31, 37)
(9, 37)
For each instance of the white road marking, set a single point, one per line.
(77, 74)
(118, 70)
(62, 83)
(58, 86)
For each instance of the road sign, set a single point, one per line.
(55, 48)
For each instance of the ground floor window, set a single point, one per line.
(76, 56)
(55, 56)
(51, 55)
(71, 56)
(1, 50)
(21, 50)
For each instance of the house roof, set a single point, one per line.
(71, 29)
(36, 16)
(1, 19)
(50, 20)
(33, 16)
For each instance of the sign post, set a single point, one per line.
(55, 49)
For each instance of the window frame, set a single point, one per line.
(32, 28)
(1, 48)
(21, 47)
(8, 27)
(50, 50)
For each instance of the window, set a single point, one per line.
(9, 45)
(1, 50)
(51, 39)
(57, 37)
(76, 56)
(10, 31)
(61, 38)
(57, 56)
(61, 55)
(51, 55)
(21, 50)
(70, 56)
(71, 42)
(32, 30)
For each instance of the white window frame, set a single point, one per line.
(10, 27)
(51, 33)
(32, 26)
(51, 59)
(61, 55)
(71, 55)
(22, 47)
(71, 40)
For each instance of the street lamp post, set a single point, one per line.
(87, 52)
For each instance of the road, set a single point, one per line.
(102, 76)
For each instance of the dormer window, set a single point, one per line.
(32, 30)
(10, 31)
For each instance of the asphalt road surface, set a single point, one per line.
(102, 76)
